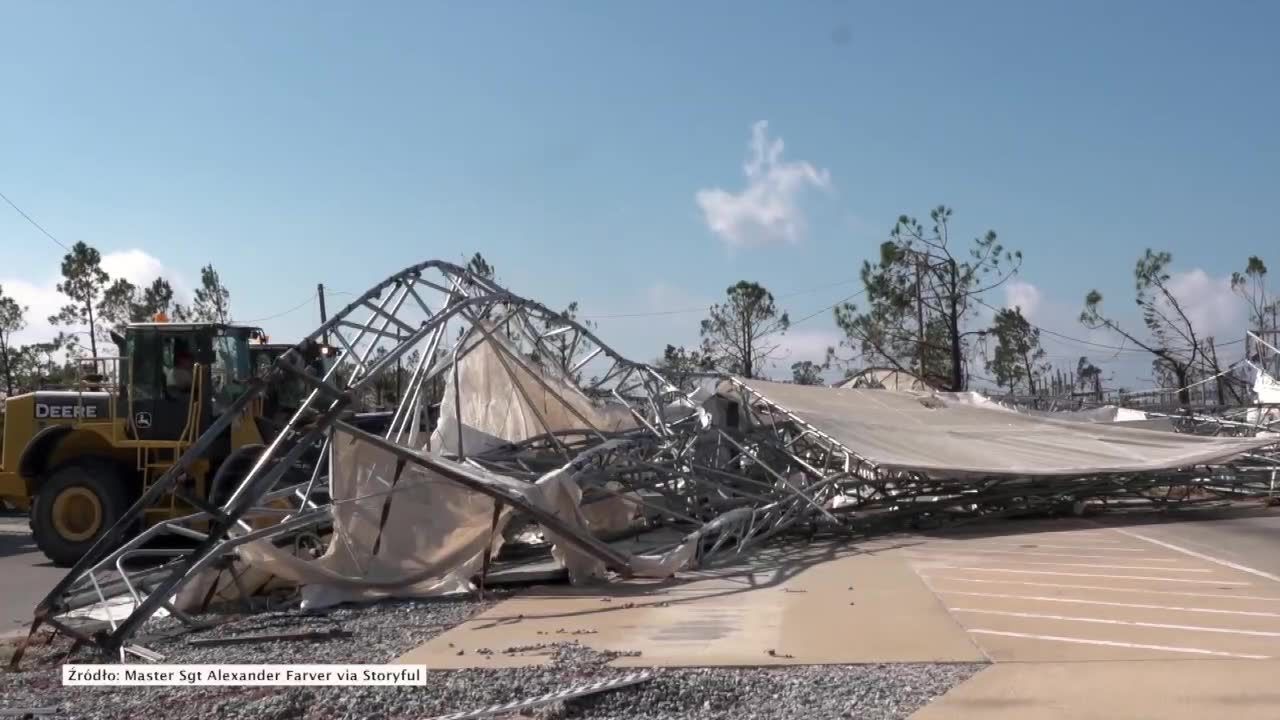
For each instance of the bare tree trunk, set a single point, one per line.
(957, 377)
(8, 368)
(93, 330)
(1184, 393)
(919, 319)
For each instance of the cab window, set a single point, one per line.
(145, 369)
(229, 371)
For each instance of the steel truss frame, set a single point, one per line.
(729, 486)
(413, 316)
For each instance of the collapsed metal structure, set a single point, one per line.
(723, 463)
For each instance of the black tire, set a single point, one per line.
(87, 480)
(231, 471)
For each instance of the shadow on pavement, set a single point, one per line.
(1012, 527)
(16, 543)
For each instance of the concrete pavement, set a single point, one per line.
(818, 604)
(1148, 690)
(26, 575)
(1134, 616)
(1141, 616)
(1078, 591)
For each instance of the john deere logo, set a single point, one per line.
(48, 410)
(142, 419)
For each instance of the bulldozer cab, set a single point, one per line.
(283, 398)
(182, 376)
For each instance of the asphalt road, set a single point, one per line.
(25, 575)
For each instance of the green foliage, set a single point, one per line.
(115, 309)
(1018, 359)
(1251, 285)
(83, 282)
(1171, 338)
(807, 372)
(919, 296)
(124, 303)
(566, 348)
(212, 300)
(35, 366)
(1087, 374)
(679, 366)
(739, 335)
(12, 320)
(481, 267)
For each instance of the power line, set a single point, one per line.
(35, 224)
(310, 299)
(1117, 348)
(832, 305)
(702, 309)
(295, 308)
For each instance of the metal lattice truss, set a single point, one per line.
(723, 464)
(423, 323)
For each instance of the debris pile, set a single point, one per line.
(545, 431)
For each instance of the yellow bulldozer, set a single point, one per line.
(77, 458)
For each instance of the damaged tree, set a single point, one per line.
(682, 366)
(806, 372)
(740, 335)
(919, 296)
(1251, 286)
(1172, 339)
(1018, 358)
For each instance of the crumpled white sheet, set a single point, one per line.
(500, 407)
(429, 536)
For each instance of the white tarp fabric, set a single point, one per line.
(1104, 414)
(501, 406)
(1266, 390)
(425, 538)
(412, 534)
(419, 534)
(926, 433)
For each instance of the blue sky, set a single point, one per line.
(291, 143)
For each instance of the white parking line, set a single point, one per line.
(1095, 575)
(1094, 565)
(1129, 623)
(1201, 556)
(1105, 587)
(1141, 606)
(1112, 643)
(1039, 554)
(1030, 545)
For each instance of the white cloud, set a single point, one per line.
(43, 299)
(805, 344)
(767, 210)
(661, 297)
(1209, 304)
(1022, 294)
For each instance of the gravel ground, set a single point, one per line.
(382, 632)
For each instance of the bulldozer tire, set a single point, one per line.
(75, 506)
(232, 470)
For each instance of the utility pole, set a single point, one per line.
(324, 316)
